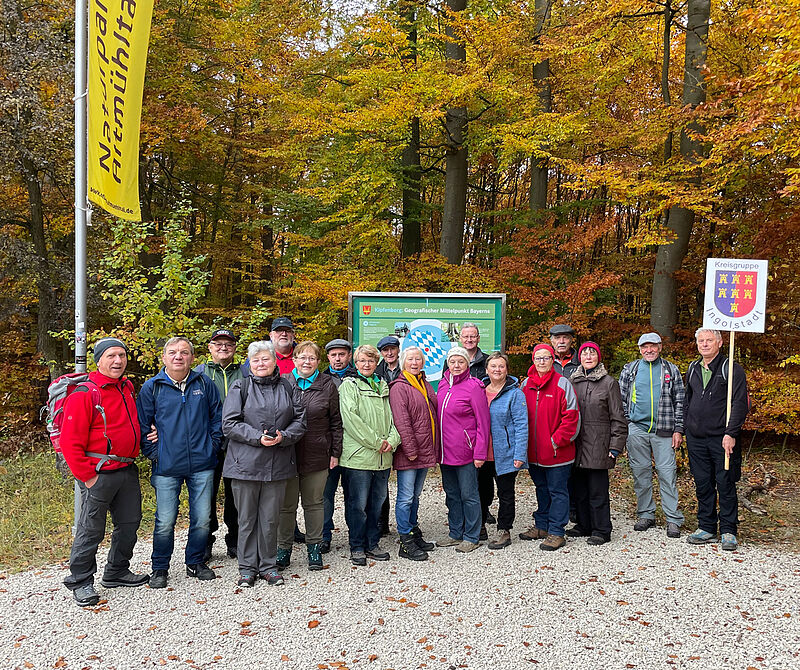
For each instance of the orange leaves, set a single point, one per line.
(313, 624)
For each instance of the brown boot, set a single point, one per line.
(552, 542)
(533, 533)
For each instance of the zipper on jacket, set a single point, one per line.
(535, 421)
(128, 412)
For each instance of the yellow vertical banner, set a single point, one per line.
(119, 34)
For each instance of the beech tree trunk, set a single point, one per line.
(412, 170)
(664, 304)
(47, 345)
(541, 73)
(455, 187)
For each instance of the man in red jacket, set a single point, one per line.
(100, 440)
(553, 424)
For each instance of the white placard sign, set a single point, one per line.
(736, 295)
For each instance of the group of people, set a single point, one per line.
(279, 431)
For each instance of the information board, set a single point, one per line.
(736, 295)
(431, 321)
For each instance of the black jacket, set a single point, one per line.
(323, 436)
(477, 366)
(705, 408)
(567, 370)
(349, 371)
(386, 374)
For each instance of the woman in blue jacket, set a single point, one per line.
(508, 448)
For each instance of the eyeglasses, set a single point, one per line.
(306, 359)
(224, 345)
(542, 359)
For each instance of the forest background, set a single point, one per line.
(583, 157)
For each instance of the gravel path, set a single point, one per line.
(642, 601)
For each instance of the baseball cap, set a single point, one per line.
(223, 332)
(282, 322)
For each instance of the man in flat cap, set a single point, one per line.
(223, 371)
(389, 367)
(653, 400)
(562, 339)
(340, 354)
(100, 440)
(281, 334)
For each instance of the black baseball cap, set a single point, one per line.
(223, 332)
(282, 322)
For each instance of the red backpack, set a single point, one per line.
(57, 393)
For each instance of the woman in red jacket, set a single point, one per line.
(414, 411)
(553, 423)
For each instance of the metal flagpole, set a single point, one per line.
(81, 195)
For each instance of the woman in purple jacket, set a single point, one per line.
(465, 428)
(414, 411)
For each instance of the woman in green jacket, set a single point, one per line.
(369, 440)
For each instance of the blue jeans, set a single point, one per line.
(200, 486)
(552, 497)
(460, 484)
(409, 488)
(365, 491)
(328, 498)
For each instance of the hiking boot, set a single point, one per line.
(314, 557)
(421, 543)
(644, 524)
(552, 542)
(490, 518)
(158, 580)
(376, 554)
(324, 546)
(729, 542)
(466, 546)
(129, 579)
(577, 531)
(447, 541)
(410, 549)
(86, 596)
(500, 540)
(284, 558)
(533, 533)
(701, 536)
(358, 557)
(483, 534)
(273, 578)
(201, 571)
(246, 581)
(596, 540)
(673, 530)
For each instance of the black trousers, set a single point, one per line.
(592, 503)
(506, 510)
(117, 492)
(486, 476)
(229, 513)
(712, 480)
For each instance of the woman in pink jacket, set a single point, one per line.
(465, 428)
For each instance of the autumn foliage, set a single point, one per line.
(272, 173)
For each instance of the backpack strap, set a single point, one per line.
(94, 389)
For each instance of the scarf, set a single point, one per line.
(416, 382)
